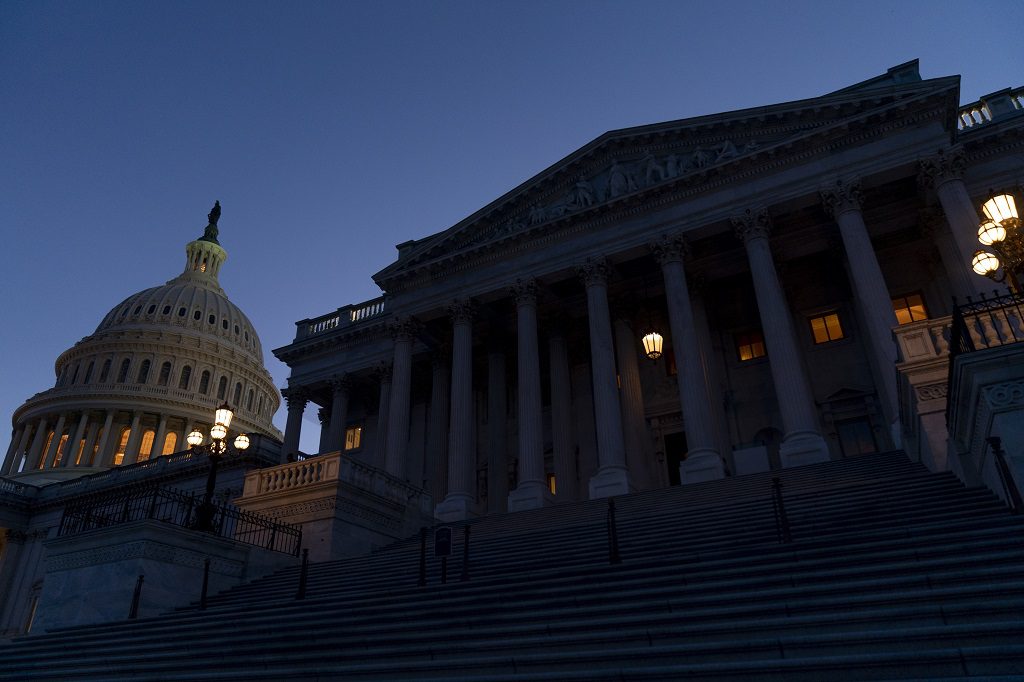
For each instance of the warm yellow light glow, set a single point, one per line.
(653, 344)
(1000, 208)
(224, 415)
(195, 438)
(353, 437)
(218, 431)
(241, 441)
(991, 232)
(984, 263)
(826, 328)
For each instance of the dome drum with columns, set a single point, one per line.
(156, 367)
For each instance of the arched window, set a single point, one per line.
(182, 311)
(222, 388)
(151, 310)
(61, 447)
(204, 383)
(122, 374)
(88, 372)
(197, 315)
(165, 374)
(170, 443)
(122, 446)
(259, 405)
(166, 310)
(105, 372)
(212, 319)
(74, 375)
(62, 376)
(238, 394)
(143, 373)
(248, 403)
(186, 377)
(146, 446)
(46, 448)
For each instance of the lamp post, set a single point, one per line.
(1001, 232)
(216, 450)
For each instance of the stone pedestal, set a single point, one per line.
(700, 467)
(90, 577)
(345, 507)
(610, 481)
(530, 495)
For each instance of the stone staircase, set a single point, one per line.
(892, 573)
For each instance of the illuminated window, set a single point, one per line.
(95, 446)
(551, 484)
(122, 446)
(165, 374)
(146, 446)
(143, 373)
(353, 437)
(122, 374)
(46, 448)
(186, 376)
(80, 452)
(750, 345)
(204, 383)
(170, 443)
(105, 372)
(222, 388)
(826, 328)
(909, 308)
(60, 451)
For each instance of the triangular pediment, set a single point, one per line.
(627, 164)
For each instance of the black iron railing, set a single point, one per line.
(179, 509)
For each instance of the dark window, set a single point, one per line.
(105, 372)
(213, 319)
(248, 403)
(197, 315)
(165, 374)
(74, 375)
(182, 311)
(238, 395)
(151, 310)
(88, 373)
(122, 374)
(855, 437)
(204, 383)
(224, 323)
(186, 376)
(143, 372)
(167, 310)
(222, 388)
(236, 329)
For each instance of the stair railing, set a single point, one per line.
(782, 530)
(1013, 497)
(613, 535)
(303, 575)
(133, 612)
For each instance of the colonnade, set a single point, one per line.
(617, 400)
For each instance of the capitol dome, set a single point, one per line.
(156, 367)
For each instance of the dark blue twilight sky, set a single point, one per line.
(331, 131)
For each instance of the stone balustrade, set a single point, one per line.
(343, 317)
(926, 340)
(990, 107)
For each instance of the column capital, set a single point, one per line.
(752, 224)
(404, 328)
(340, 382)
(296, 397)
(841, 197)
(946, 165)
(462, 310)
(324, 416)
(382, 372)
(670, 249)
(524, 291)
(594, 271)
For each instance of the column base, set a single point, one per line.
(610, 481)
(801, 448)
(530, 495)
(455, 507)
(700, 466)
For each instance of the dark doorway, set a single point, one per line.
(856, 437)
(675, 452)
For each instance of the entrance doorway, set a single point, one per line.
(675, 452)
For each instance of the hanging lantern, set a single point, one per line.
(653, 344)
(991, 232)
(985, 263)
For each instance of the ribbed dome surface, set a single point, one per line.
(186, 302)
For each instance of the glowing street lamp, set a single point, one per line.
(1001, 232)
(216, 450)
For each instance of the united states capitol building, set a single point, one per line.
(721, 297)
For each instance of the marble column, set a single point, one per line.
(497, 430)
(51, 452)
(35, 454)
(12, 451)
(458, 503)
(383, 375)
(296, 399)
(90, 442)
(712, 374)
(802, 442)
(532, 490)
(104, 456)
(843, 202)
(131, 448)
(634, 421)
(323, 415)
(944, 172)
(703, 461)
(340, 386)
(159, 438)
(71, 456)
(437, 431)
(561, 419)
(404, 331)
(612, 477)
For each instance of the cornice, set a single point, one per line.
(326, 341)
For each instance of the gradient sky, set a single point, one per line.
(331, 131)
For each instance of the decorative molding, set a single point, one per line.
(404, 328)
(297, 397)
(945, 166)
(524, 291)
(340, 383)
(594, 271)
(932, 391)
(1002, 396)
(462, 311)
(670, 249)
